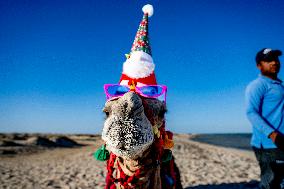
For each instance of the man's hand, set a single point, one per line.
(273, 136)
(278, 139)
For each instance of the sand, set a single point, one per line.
(201, 165)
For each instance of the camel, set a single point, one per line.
(134, 132)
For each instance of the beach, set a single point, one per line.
(201, 165)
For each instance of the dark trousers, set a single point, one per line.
(271, 162)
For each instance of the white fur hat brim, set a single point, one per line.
(139, 65)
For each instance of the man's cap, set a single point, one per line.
(268, 55)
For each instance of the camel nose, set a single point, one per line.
(121, 146)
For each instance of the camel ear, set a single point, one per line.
(163, 111)
(106, 112)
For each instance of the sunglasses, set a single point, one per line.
(149, 91)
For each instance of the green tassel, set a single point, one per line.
(102, 154)
(167, 155)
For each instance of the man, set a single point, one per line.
(265, 111)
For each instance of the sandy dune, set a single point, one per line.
(205, 166)
(202, 166)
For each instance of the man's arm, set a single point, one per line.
(254, 95)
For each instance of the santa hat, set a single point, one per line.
(139, 66)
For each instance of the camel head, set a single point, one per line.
(128, 127)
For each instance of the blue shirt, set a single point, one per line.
(265, 110)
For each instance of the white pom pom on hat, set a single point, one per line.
(148, 9)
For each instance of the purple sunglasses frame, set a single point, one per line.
(137, 90)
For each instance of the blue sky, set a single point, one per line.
(55, 57)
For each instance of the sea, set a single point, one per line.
(236, 140)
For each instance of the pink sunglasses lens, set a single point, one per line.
(151, 91)
(116, 90)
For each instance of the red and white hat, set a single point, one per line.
(139, 66)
